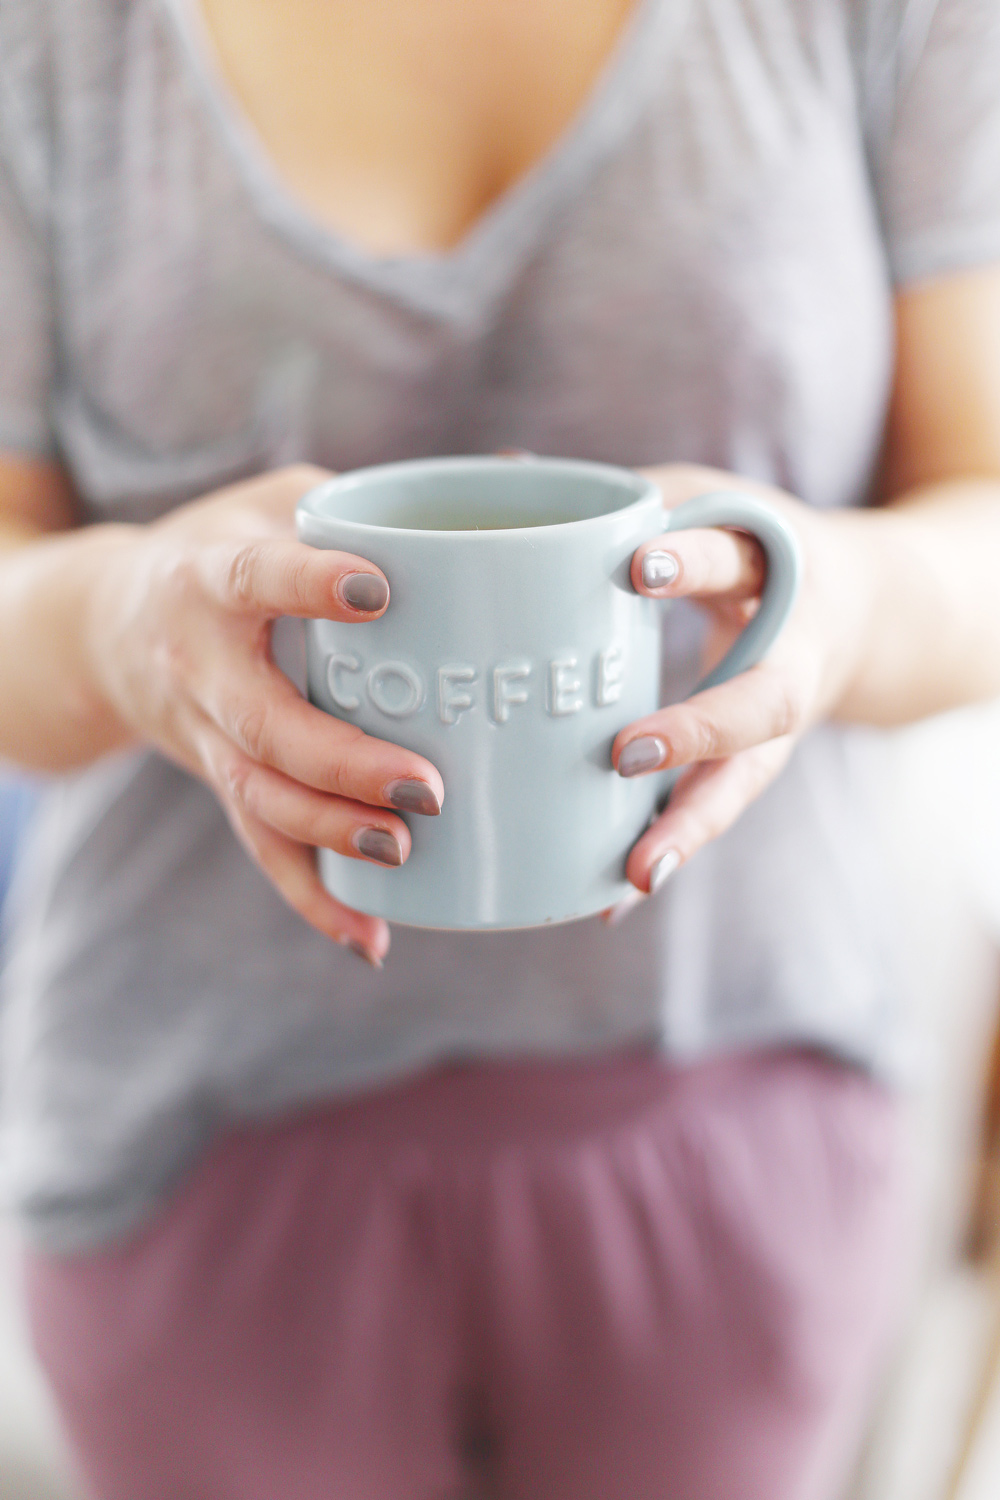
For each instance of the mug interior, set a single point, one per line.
(489, 494)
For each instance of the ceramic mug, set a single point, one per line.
(513, 650)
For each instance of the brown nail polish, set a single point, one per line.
(413, 796)
(643, 754)
(379, 845)
(364, 591)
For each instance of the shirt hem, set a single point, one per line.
(81, 1231)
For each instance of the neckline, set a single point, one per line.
(451, 283)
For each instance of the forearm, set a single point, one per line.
(52, 715)
(930, 636)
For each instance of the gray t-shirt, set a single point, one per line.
(700, 269)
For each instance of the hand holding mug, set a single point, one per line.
(727, 743)
(177, 630)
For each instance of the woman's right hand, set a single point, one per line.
(178, 637)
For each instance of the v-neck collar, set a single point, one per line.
(453, 283)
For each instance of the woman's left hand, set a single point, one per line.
(735, 738)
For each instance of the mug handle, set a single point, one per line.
(784, 569)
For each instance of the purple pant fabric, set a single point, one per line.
(562, 1281)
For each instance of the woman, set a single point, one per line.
(610, 1209)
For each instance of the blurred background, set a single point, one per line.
(934, 1432)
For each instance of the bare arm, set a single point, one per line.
(933, 641)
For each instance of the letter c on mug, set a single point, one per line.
(342, 661)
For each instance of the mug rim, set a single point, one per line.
(309, 511)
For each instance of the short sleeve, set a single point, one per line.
(935, 142)
(26, 340)
(27, 321)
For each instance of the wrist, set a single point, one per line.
(100, 578)
(893, 566)
(859, 567)
(80, 576)
(54, 714)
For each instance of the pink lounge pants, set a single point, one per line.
(604, 1280)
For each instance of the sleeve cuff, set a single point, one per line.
(931, 253)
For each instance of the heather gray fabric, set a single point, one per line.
(701, 269)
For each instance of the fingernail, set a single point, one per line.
(377, 844)
(659, 569)
(364, 591)
(412, 796)
(363, 952)
(663, 869)
(628, 903)
(643, 754)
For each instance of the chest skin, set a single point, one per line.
(398, 122)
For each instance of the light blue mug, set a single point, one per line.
(513, 650)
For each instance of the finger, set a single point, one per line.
(764, 703)
(271, 576)
(710, 563)
(263, 714)
(306, 816)
(702, 806)
(291, 868)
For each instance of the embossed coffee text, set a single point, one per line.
(563, 685)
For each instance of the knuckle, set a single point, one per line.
(342, 769)
(243, 573)
(297, 575)
(252, 728)
(236, 777)
(789, 705)
(709, 563)
(344, 758)
(705, 738)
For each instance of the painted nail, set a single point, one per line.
(643, 754)
(412, 796)
(379, 845)
(362, 952)
(659, 569)
(663, 869)
(364, 591)
(620, 911)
